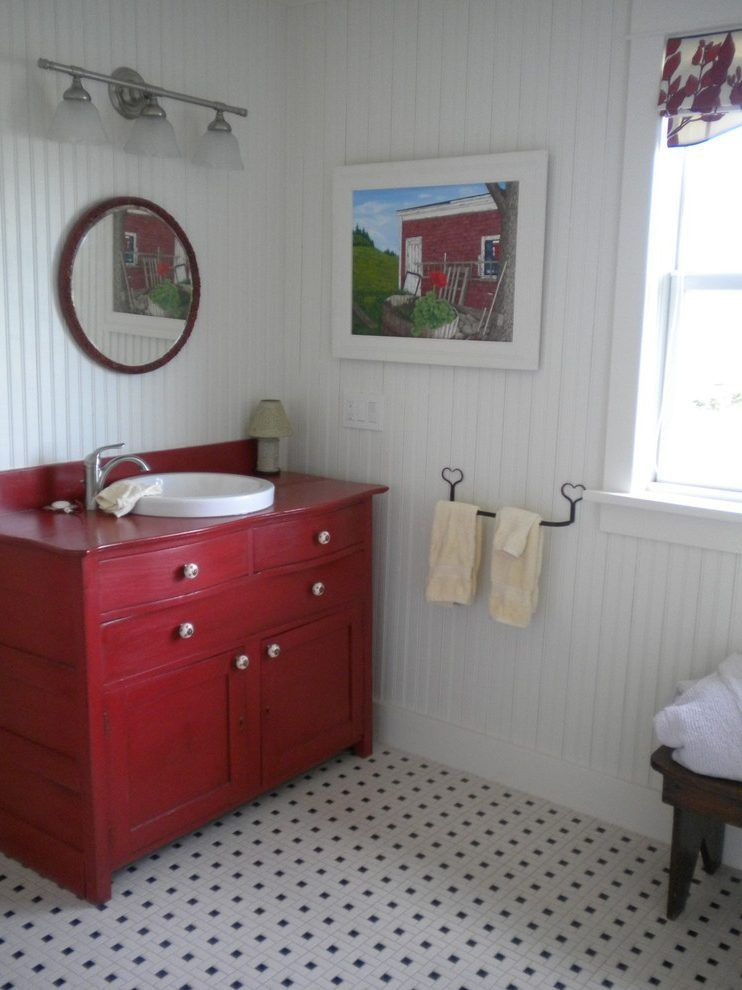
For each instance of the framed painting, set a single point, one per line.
(440, 261)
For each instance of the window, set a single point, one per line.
(673, 454)
(489, 266)
(130, 248)
(699, 432)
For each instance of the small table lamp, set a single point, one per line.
(268, 423)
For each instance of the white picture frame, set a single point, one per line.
(364, 199)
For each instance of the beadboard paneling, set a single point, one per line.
(620, 620)
(55, 404)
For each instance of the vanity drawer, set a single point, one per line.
(303, 593)
(160, 574)
(197, 626)
(317, 535)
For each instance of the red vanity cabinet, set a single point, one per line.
(155, 673)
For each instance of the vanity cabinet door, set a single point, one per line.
(183, 748)
(311, 693)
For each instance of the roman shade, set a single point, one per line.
(701, 88)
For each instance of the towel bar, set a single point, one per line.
(448, 474)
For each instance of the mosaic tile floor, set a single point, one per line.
(391, 872)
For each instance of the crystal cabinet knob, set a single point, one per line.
(273, 651)
(190, 571)
(242, 662)
(186, 630)
(324, 537)
(318, 589)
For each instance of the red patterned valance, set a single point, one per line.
(701, 89)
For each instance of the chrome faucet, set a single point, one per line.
(96, 474)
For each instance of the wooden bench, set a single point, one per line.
(702, 806)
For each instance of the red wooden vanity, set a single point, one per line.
(141, 696)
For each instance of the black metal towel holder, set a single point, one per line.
(449, 474)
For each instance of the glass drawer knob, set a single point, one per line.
(186, 630)
(242, 662)
(273, 651)
(190, 571)
(324, 537)
(318, 589)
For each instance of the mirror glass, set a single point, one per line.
(129, 285)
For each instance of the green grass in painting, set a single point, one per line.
(375, 277)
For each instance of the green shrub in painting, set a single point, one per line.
(429, 313)
(173, 300)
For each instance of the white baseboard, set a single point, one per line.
(639, 809)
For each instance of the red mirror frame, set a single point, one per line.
(64, 282)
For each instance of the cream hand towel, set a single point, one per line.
(121, 497)
(455, 551)
(517, 552)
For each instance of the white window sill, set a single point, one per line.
(697, 522)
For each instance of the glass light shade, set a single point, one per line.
(77, 121)
(152, 136)
(219, 149)
(269, 420)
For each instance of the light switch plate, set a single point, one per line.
(363, 411)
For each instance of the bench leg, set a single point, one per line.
(712, 845)
(687, 837)
(691, 833)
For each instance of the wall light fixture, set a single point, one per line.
(76, 118)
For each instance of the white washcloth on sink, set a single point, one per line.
(121, 497)
(517, 552)
(455, 548)
(704, 723)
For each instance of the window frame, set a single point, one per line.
(484, 261)
(635, 375)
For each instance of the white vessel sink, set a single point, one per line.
(193, 493)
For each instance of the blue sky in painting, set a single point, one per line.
(375, 209)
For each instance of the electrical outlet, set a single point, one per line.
(363, 411)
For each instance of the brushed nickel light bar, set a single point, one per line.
(124, 79)
(136, 99)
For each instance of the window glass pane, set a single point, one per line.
(710, 238)
(701, 422)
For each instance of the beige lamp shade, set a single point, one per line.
(269, 419)
(269, 422)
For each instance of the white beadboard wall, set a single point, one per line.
(565, 707)
(55, 404)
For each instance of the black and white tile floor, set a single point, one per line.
(391, 872)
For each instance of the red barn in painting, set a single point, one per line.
(147, 236)
(461, 236)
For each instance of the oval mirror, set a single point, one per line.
(129, 285)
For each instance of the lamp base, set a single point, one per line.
(268, 456)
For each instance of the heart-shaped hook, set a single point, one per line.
(452, 476)
(571, 491)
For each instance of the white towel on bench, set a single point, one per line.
(704, 724)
